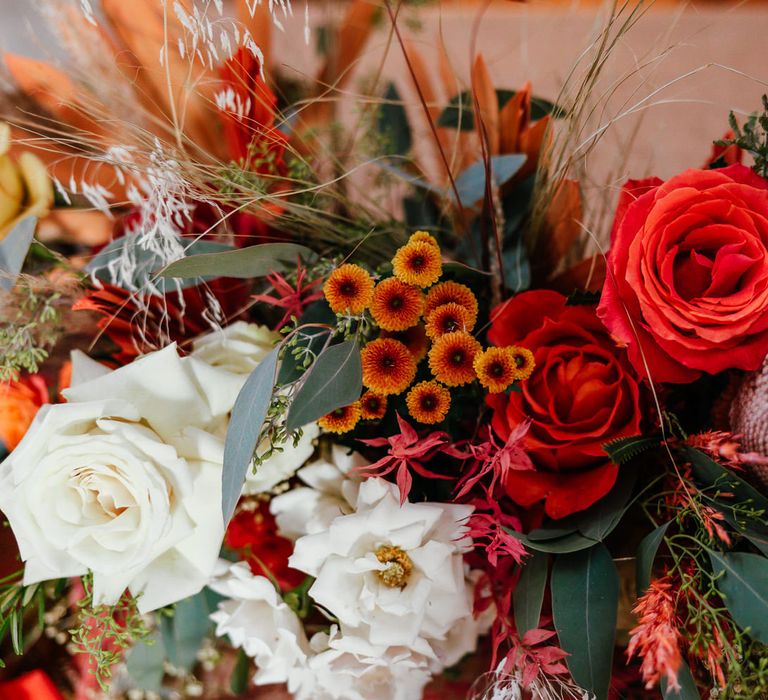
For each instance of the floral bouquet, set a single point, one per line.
(298, 407)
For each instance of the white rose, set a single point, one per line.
(238, 348)
(394, 574)
(256, 619)
(128, 487)
(331, 491)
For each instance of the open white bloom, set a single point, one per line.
(394, 574)
(123, 481)
(330, 491)
(238, 348)
(256, 619)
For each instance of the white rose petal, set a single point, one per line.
(238, 348)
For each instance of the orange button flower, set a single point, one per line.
(396, 305)
(524, 361)
(349, 288)
(496, 368)
(373, 405)
(388, 366)
(448, 318)
(452, 293)
(423, 237)
(428, 402)
(415, 339)
(19, 402)
(418, 263)
(451, 358)
(342, 420)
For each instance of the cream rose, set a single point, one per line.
(238, 348)
(128, 487)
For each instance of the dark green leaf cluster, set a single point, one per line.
(752, 137)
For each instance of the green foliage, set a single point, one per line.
(16, 600)
(626, 449)
(752, 137)
(460, 115)
(392, 124)
(646, 553)
(106, 632)
(529, 593)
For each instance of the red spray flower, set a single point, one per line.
(294, 298)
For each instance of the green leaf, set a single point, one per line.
(145, 263)
(600, 519)
(626, 449)
(550, 533)
(585, 596)
(248, 415)
(529, 593)
(254, 261)
(459, 112)
(312, 339)
(392, 123)
(403, 174)
(238, 681)
(13, 251)
(744, 586)
(335, 379)
(572, 542)
(470, 184)
(145, 663)
(646, 553)
(184, 632)
(687, 690)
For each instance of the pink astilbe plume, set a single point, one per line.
(491, 457)
(407, 451)
(656, 640)
(294, 298)
(487, 528)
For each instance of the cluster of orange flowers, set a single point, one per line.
(416, 324)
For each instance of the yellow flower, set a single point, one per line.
(418, 263)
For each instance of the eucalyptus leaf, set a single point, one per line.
(743, 583)
(335, 379)
(529, 593)
(312, 339)
(646, 553)
(390, 166)
(253, 261)
(248, 415)
(393, 123)
(238, 681)
(470, 184)
(585, 596)
(600, 519)
(13, 251)
(145, 663)
(184, 632)
(572, 542)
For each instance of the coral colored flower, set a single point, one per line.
(294, 298)
(448, 318)
(373, 406)
(687, 284)
(19, 403)
(423, 237)
(657, 639)
(396, 306)
(428, 402)
(415, 339)
(342, 420)
(252, 533)
(583, 394)
(524, 360)
(451, 358)
(418, 263)
(496, 369)
(452, 292)
(407, 451)
(349, 288)
(388, 366)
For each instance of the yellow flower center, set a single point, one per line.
(399, 566)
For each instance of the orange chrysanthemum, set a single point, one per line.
(396, 305)
(415, 339)
(423, 237)
(496, 369)
(418, 263)
(448, 318)
(388, 366)
(349, 288)
(373, 405)
(428, 402)
(452, 293)
(342, 420)
(524, 361)
(452, 356)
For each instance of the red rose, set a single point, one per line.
(581, 395)
(687, 283)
